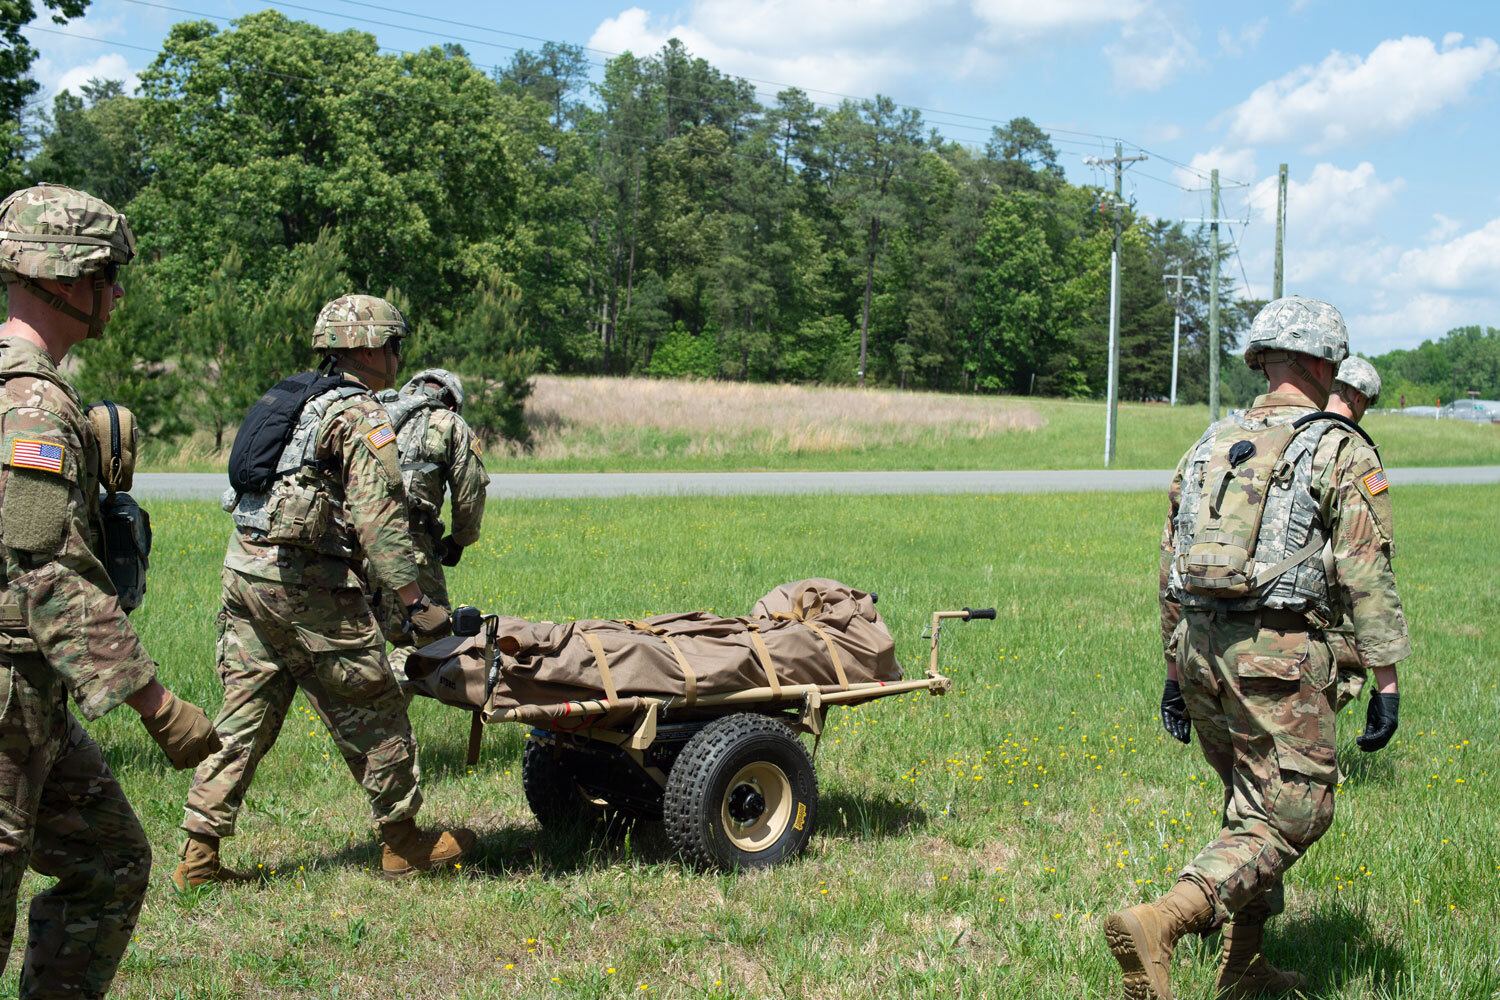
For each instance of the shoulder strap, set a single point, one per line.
(1338, 417)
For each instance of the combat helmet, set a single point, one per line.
(56, 233)
(452, 387)
(1357, 373)
(1294, 325)
(351, 321)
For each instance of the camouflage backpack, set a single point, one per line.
(1218, 557)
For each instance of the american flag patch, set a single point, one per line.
(36, 455)
(1375, 482)
(381, 436)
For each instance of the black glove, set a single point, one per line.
(1380, 722)
(452, 551)
(1174, 716)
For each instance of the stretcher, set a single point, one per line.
(726, 772)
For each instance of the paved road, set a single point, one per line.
(620, 484)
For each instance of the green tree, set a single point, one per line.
(16, 57)
(94, 143)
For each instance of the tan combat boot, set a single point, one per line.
(200, 864)
(1142, 938)
(409, 850)
(1244, 971)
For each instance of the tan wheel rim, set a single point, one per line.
(756, 807)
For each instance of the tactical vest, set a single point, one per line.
(303, 506)
(421, 474)
(1289, 566)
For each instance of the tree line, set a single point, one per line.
(662, 221)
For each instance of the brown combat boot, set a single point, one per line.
(1142, 938)
(1244, 971)
(409, 850)
(200, 864)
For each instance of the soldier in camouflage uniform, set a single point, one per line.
(62, 631)
(296, 612)
(1254, 674)
(1355, 389)
(438, 454)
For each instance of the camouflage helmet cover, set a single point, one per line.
(1357, 373)
(1297, 326)
(54, 232)
(351, 321)
(449, 381)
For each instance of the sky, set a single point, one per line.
(1386, 113)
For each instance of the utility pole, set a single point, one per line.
(1177, 322)
(1112, 393)
(1213, 300)
(1276, 283)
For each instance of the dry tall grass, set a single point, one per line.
(591, 417)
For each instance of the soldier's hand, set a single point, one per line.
(1380, 722)
(427, 622)
(452, 551)
(1174, 714)
(183, 732)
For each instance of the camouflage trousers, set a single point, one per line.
(433, 583)
(63, 813)
(275, 638)
(1351, 671)
(1261, 702)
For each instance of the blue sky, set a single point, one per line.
(1388, 114)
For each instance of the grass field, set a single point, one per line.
(967, 846)
(643, 425)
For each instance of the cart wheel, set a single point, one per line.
(742, 794)
(554, 797)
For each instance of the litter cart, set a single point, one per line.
(693, 720)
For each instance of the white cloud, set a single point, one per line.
(1150, 52)
(1329, 202)
(1025, 19)
(1415, 318)
(1468, 263)
(1234, 166)
(865, 46)
(840, 47)
(1442, 228)
(1235, 44)
(1345, 98)
(110, 66)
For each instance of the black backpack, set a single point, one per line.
(268, 427)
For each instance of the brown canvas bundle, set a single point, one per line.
(813, 632)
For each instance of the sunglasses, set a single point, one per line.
(395, 345)
(110, 272)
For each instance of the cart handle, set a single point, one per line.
(935, 629)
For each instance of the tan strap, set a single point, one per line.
(765, 661)
(803, 614)
(689, 678)
(833, 654)
(602, 662)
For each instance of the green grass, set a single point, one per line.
(966, 846)
(644, 425)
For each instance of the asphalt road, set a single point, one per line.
(621, 484)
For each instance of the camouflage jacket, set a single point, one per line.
(58, 601)
(355, 441)
(438, 449)
(1355, 505)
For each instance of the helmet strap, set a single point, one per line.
(94, 321)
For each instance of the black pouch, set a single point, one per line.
(127, 547)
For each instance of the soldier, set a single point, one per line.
(62, 631)
(1355, 388)
(1276, 516)
(309, 514)
(437, 453)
